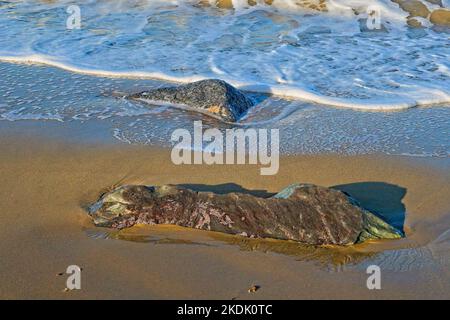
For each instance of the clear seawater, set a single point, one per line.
(41, 93)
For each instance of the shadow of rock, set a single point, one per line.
(258, 93)
(381, 198)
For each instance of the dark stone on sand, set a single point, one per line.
(213, 97)
(305, 213)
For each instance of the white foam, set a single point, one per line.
(412, 98)
(280, 49)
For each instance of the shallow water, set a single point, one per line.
(393, 257)
(325, 57)
(41, 93)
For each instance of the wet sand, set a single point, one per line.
(50, 171)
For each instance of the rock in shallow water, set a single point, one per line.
(304, 213)
(214, 97)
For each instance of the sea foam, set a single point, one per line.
(324, 56)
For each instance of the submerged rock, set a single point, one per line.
(414, 22)
(213, 97)
(304, 213)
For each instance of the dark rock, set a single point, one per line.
(304, 213)
(213, 97)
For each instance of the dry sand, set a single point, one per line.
(49, 172)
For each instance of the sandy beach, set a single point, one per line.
(331, 119)
(51, 171)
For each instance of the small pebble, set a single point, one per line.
(253, 289)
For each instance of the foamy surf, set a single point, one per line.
(30, 92)
(412, 98)
(316, 51)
